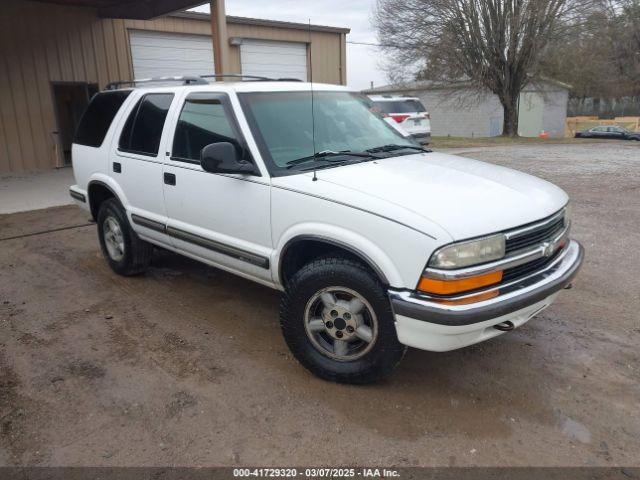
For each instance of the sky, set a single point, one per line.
(362, 61)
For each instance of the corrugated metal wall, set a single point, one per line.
(39, 44)
(43, 43)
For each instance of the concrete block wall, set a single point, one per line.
(459, 114)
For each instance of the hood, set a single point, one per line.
(465, 198)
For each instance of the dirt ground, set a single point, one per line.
(186, 365)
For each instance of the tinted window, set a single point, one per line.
(400, 106)
(341, 121)
(141, 134)
(203, 121)
(97, 118)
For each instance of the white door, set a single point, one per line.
(137, 162)
(159, 54)
(220, 218)
(273, 59)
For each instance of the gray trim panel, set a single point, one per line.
(209, 244)
(237, 253)
(78, 196)
(148, 223)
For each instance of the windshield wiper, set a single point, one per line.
(328, 156)
(394, 146)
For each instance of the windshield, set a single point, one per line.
(400, 106)
(283, 126)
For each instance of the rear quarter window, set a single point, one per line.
(98, 116)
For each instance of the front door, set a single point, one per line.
(223, 219)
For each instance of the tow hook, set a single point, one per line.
(504, 326)
(569, 286)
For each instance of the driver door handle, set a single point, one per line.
(169, 178)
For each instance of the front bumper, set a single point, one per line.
(418, 318)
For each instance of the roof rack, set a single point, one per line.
(237, 75)
(186, 80)
(196, 80)
(253, 78)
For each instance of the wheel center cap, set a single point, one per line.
(340, 324)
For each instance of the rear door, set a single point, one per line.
(137, 163)
(221, 218)
(616, 132)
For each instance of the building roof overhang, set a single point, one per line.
(134, 9)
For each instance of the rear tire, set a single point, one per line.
(125, 252)
(337, 321)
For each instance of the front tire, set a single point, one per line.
(125, 252)
(337, 321)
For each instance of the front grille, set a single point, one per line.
(544, 232)
(527, 268)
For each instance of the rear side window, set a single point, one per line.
(141, 134)
(203, 120)
(97, 118)
(400, 106)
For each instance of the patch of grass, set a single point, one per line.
(464, 142)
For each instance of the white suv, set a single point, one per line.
(407, 114)
(376, 243)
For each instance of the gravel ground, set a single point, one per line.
(186, 365)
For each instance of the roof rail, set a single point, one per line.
(254, 78)
(196, 79)
(186, 80)
(237, 75)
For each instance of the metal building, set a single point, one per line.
(54, 54)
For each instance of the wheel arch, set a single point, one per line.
(314, 246)
(99, 190)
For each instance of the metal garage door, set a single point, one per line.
(274, 59)
(157, 54)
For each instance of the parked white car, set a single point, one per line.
(376, 243)
(407, 114)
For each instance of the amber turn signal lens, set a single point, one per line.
(448, 287)
(479, 297)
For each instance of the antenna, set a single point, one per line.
(313, 116)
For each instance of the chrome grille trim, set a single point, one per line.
(512, 234)
(520, 257)
(511, 285)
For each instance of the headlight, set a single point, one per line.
(469, 253)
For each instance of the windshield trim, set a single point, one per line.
(274, 169)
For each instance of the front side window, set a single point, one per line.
(203, 120)
(97, 119)
(143, 130)
(341, 121)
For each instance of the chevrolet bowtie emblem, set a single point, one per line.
(547, 249)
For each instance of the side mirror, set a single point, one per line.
(222, 157)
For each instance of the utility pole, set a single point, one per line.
(219, 37)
